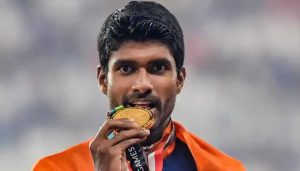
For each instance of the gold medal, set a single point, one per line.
(143, 117)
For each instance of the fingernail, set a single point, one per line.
(131, 119)
(146, 131)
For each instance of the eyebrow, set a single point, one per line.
(161, 61)
(121, 62)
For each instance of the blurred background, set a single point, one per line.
(241, 94)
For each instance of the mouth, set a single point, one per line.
(143, 104)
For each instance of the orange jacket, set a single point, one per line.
(79, 158)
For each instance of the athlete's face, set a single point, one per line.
(143, 74)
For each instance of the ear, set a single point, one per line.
(180, 79)
(102, 79)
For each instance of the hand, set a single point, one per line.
(109, 154)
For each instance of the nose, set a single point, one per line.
(142, 83)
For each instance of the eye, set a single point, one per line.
(126, 69)
(158, 68)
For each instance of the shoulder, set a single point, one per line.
(209, 156)
(43, 165)
(77, 156)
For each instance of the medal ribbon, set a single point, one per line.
(157, 152)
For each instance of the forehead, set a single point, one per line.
(141, 52)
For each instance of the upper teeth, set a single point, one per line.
(141, 103)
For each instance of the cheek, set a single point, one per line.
(167, 92)
(116, 90)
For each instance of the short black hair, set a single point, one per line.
(140, 21)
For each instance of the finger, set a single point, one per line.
(129, 134)
(110, 125)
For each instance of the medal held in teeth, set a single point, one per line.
(142, 116)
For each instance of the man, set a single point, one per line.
(141, 52)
